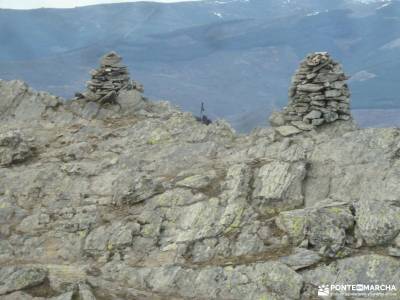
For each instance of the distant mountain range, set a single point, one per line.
(236, 56)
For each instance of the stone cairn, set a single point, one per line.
(108, 80)
(318, 95)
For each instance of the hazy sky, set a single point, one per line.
(28, 4)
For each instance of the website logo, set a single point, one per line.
(358, 290)
(323, 290)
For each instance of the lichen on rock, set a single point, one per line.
(144, 202)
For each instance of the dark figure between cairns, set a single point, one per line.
(203, 118)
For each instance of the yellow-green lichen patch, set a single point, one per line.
(293, 223)
(336, 210)
(237, 220)
(150, 230)
(110, 246)
(82, 233)
(158, 136)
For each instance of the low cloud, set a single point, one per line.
(30, 4)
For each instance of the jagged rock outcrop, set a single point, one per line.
(319, 95)
(147, 203)
(14, 148)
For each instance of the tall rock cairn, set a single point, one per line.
(319, 95)
(108, 80)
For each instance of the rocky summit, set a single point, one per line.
(145, 202)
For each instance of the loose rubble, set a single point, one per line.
(319, 95)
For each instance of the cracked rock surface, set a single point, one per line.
(147, 203)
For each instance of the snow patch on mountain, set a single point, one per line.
(362, 76)
(230, 1)
(371, 1)
(313, 13)
(385, 4)
(395, 44)
(219, 15)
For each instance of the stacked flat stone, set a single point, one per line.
(319, 94)
(109, 79)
